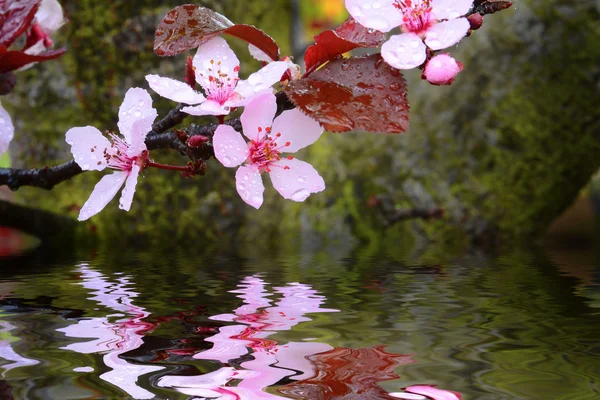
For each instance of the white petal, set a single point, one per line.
(103, 193)
(139, 131)
(136, 106)
(229, 146)
(7, 130)
(174, 90)
(129, 189)
(450, 9)
(296, 128)
(381, 14)
(404, 51)
(50, 16)
(208, 107)
(295, 179)
(446, 34)
(249, 185)
(263, 79)
(258, 115)
(213, 56)
(258, 54)
(88, 146)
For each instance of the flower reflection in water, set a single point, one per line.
(113, 338)
(250, 360)
(7, 352)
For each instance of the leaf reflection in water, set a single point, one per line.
(113, 338)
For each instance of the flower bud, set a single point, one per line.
(197, 141)
(442, 69)
(475, 20)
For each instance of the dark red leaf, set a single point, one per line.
(333, 43)
(187, 27)
(15, 18)
(354, 94)
(12, 60)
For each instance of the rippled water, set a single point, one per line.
(330, 324)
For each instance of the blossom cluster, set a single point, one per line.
(426, 26)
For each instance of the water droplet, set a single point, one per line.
(246, 178)
(257, 199)
(394, 86)
(85, 166)
(226, 161)
(241, 186)
(302, 179)
(345, 65)
(140, 103)
(300, 195)
(138, 114)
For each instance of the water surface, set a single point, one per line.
(325, 324)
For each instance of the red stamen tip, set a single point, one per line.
(288, 143)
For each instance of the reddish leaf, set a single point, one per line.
(15, 18)
(333, 43)
(354, 94)
(187, 27)
(348, 373)
(12, 60)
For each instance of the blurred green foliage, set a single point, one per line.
(503, 150)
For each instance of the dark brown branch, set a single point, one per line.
(158, 138)
(393, 215)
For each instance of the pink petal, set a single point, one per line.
(208, 107)
(136, 106)
(249, 185)
(258, 54)
(404, 51)
(407, 396)
(207, 59)
(446, 34)
(450, 9)
(258, 115)
(174, 90)
(297, 129)
(434, 393)
(296, 182)
(229, 146)
(129, 189)
(7, 130)
(50, 16)
(87, 147)
(139, 131)
(103, 193)
(263, 79)
(384, 17)
(442, 69)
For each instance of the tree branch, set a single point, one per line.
(392, 215)
(158, 138)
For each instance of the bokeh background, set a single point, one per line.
(504, 151)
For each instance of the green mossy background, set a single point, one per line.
(504, 150)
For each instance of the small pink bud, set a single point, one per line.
(442, 69)
(476, 20)
(197, 141)
(190, 74)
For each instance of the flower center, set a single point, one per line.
(116, 155)
(264, 152)
(221, 86)
(416, 15)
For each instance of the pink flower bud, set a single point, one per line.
(197, 140)
(442, 69)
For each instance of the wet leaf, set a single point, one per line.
(15, 18)
(188, 26)
(12, 60)
(354, 94)
(333, 43)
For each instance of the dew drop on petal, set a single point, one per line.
(226, 161)
(300, 195)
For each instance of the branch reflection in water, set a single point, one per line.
(251, 360)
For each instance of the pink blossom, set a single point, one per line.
(437, 23)
(442, 69)
(289, 132)
(217, 67)
(48, 19)
(127, 155)
(7, 130)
